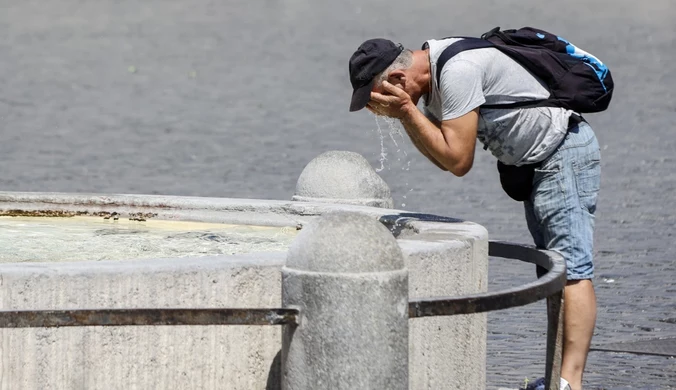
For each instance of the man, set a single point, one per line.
(390, 80)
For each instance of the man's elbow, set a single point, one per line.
(461, 169)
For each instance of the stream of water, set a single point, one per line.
(394, 132)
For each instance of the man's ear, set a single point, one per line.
(397, 78)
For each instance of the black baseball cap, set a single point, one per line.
(371, 58)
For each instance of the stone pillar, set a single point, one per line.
(342, 177)
(346, 274)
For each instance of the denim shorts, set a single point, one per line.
(560, 211)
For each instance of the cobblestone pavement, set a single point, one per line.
(234, 98)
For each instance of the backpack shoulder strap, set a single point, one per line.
(468, 43)
(457, 47)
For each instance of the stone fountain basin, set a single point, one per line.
(445, 257)
(31, 238)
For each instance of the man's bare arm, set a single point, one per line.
(452, 146)
(416, 142)
(421, 148)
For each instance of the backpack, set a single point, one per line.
(577, 80)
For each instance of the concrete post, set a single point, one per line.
(346, 274)
(342, 177)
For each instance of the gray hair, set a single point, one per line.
(403, 61)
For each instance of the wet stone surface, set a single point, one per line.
(234, 99)
(50, 239)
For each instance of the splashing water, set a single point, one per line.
(396, 135)
(403, 204)
(383, 153)
(394, 132)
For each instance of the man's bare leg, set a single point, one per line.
(578, 328)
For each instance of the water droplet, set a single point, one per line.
(403, 205)
(383, 154)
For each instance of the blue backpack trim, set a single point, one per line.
(599, 68)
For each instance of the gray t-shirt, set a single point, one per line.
(487, 76)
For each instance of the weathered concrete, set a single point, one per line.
(346, 274)
(141, 357)
(445, 257)
(342, 177)
(447, 260)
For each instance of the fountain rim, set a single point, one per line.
(260, 212)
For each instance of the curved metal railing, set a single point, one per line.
(549, 286)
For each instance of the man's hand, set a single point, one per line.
(394, 103)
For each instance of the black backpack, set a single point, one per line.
(576, 79)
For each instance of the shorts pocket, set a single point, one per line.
(587, 172)
(548, 174)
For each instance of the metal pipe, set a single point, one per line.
(549, 284)
(125, 317)
(554, 341)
